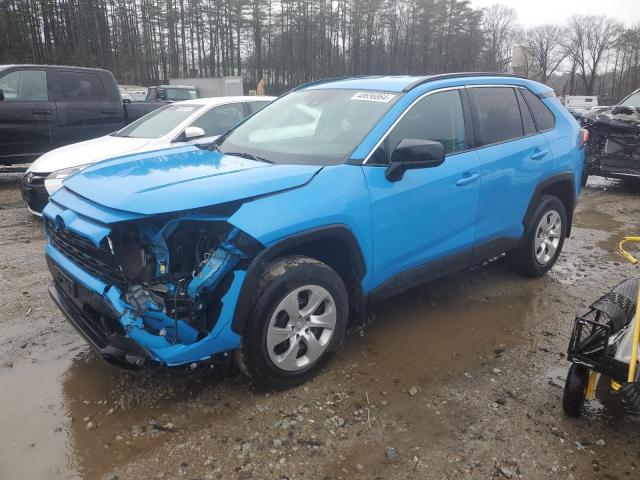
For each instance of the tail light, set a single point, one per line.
(583, 137)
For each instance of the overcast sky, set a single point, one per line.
(534, 12)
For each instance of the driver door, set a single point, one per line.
(425, 220)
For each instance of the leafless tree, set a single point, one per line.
(545, 52)
(500, 31)
(287, 42)
(589, 38)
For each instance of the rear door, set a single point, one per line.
(86, 108)
(514, 157)
(27, 115)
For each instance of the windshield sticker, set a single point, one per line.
(184, 109)
(374, 97)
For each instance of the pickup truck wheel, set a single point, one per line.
(299, 316)
(543, 238)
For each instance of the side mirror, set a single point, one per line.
(126, 100)
(411, 154)
(1, 95)
(191, 133)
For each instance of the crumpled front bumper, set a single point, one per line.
(114, 347)
(615, 166)
(108, 325)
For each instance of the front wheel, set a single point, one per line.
(575, 390)
(543, 238)
(299, 316)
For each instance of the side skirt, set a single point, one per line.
(454, 263)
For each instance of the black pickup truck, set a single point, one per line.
(43, 107)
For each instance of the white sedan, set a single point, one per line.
(192, 122)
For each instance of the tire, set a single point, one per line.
(584, 177)
(273, 334)
(528, 259)
(575, 390)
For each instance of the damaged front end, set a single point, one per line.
(614, 143)
(155, 288)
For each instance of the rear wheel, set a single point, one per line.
(585, 176)
(299, 316)
(575, 390)
(543, 239)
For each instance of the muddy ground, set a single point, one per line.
(459, 379)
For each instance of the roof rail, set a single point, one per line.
(444, 76)
(332, 79)
(318, 82)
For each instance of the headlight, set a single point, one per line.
(65, 172)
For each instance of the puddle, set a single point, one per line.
(419, 339)
(78, 417)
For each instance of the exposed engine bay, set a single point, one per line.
(172, 272)
(166, 277)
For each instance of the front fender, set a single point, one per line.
(335, 203)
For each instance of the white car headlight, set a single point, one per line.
(65, 172)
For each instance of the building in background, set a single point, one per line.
(214, 86)
(522, 62)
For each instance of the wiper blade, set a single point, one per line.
(247, 155)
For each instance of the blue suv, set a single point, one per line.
(339, 194)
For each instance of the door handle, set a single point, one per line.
(41, 111)
(539, 155)
(467, 179)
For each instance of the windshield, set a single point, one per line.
(316, 127)
(632, 100)
(159, 122)
(177, 94)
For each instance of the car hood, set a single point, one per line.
(619, 117)
(182, 179)
(89, 151)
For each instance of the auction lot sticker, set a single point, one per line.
(374, 97)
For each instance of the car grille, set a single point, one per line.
(96, 261)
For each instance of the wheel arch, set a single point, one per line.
(561, 186)
(334, 245)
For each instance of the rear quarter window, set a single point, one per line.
(541, 114)
(527, 120)
(497, 114)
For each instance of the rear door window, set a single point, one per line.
(542, 115)
(79, 87)
(497, 114)
(25, 86)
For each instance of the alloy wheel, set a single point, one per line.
(301, 328)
